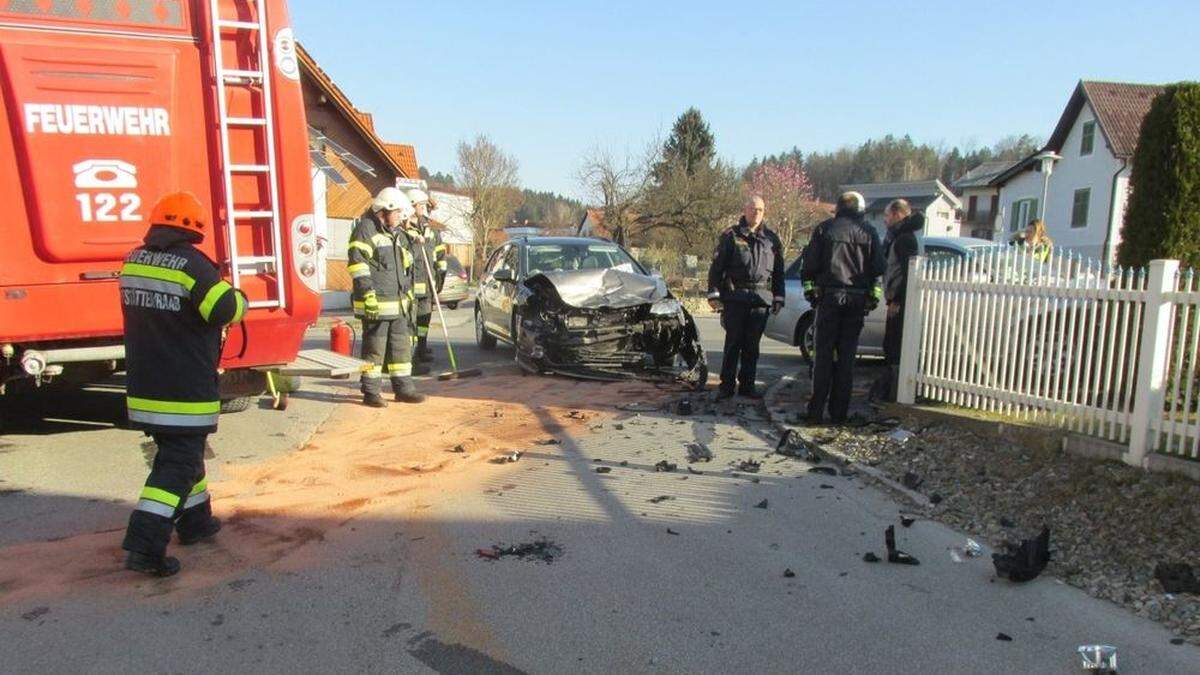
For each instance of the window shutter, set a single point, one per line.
(1033, 210)
(1016, 207)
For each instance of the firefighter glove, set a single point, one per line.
(811, 294)
(370, 306)
(874, 298)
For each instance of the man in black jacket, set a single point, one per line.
(902, 242)
(175, 305)
(840, 273)
(745, 280)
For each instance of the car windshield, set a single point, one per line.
(582, 256)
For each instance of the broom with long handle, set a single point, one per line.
(454, 373)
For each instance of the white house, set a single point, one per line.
(454, 211)
(940, 205)
(981, 199)
(1082, 196)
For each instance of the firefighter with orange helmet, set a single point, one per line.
(175, 306)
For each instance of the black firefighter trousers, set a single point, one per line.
(424, 318)
(175, 496)
(839, 323)
(387, 344)
(744, 325)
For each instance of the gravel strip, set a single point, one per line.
(1111, 524)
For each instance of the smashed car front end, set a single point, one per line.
(627, 329)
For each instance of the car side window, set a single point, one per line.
(936, 253)
(510, 260)
(495, 261)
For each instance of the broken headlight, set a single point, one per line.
(666, 307)
(577, 322)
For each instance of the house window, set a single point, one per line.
(1079, 208)
(972, 208)
(1088, 143)
(1023, 211)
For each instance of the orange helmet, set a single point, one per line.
(182, 210)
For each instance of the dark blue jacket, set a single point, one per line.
(747, 266)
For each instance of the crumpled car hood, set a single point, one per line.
(595, 289)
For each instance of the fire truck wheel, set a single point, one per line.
(235, 405)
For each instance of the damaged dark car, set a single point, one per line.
(585, 308)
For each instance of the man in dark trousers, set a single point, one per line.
(745, 281)
(175, 305)
(840, 273)
(901, 243)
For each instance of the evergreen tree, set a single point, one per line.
(690, 146)
(1163, 216)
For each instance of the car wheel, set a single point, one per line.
(806, 336)
(452, 305)
(483, 338)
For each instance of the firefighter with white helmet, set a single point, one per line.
(420, 226)
(175, 306)
(382, 265)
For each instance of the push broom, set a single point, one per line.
(454, 373)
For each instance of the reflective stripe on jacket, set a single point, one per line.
(174, 305)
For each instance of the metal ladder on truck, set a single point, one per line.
(257, 80)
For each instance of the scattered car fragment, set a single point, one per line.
(1025, 561)
(895, 555)
(699, 452)
(1101, 658)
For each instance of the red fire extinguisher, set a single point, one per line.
(339, 337)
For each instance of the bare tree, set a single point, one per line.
(489, 176)
(617, 185)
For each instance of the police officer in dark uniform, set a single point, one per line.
(745, 281)
(174, 305)
(840, 273)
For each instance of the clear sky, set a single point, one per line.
(549, 80)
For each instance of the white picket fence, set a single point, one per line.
(1110, 353)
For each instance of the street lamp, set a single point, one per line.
(1047, 158)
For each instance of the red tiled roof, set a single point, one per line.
(1120, 108)
(362, 121)
(405, 156)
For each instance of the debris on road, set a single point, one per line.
(901, 436)
(460, 448)
(699, 452)
(542, 549)
(826, 486)
(788, 573)
(911, 480)
(548, 441)
(971, 549)
(895, 555)
(659, 499)
(670, 531)
(870, 557)
(749, 466)
(665, 467)
(684, 407)
(1026, 561)
(639, 406)
(907, 521)
(1101, 658)
(695, 472)
(1177, 578)
(604, 469)
(761, 505)
(827, 470)
(507, 459)
(1004, 637)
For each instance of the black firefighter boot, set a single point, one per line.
(374, 401)
(407, 391)
(205, 533)
(154, 565)
(423, 353)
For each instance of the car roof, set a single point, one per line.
(562, 240)
(962, 243)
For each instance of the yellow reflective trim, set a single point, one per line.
(422, 331)
(420, 288)
(160, 496)
(400, 369)
(200, 487)
(365, 248)
(442, 265)
(161, 273)
(174, 407)
(241, 307)
(439, 248)
(383, 306)
(212, 297)
(382, 240)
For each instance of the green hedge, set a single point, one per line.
(1162, 219)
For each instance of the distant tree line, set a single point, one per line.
(892, 159)
(548, 209)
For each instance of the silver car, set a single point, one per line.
(794, 324)
(454, 290)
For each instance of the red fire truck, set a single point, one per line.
(108, 104)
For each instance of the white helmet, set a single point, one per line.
(854, 201)
(417, 196)
(392, 199)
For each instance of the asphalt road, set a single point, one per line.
(691, 583)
